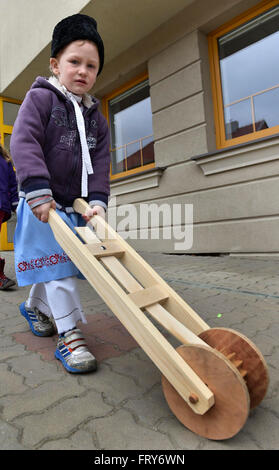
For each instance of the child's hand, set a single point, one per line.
(96, 210)
(41, 212)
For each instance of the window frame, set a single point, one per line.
(105, 106)
(5, 129)
(221, 140)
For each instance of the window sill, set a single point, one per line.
(239, 156)
(136, 182)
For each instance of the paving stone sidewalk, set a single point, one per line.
(122, 406)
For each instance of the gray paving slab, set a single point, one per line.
(122, 405)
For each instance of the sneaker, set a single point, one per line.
(73, 353)
(39, 323)
(6, 283)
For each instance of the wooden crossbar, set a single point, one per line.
(149, 296)
(111, 248)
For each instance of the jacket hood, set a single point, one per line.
(53, 84)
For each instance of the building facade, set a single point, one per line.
(190, 89)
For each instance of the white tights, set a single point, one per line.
(58, 300)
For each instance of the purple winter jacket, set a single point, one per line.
(46, 150)
(8, 188)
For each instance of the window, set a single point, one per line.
(245, 70)
(130, 120)
(8, 112)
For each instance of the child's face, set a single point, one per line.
(77, 66)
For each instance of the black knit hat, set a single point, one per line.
(73, 28)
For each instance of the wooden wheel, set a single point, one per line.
(245, 356)
(230, 411)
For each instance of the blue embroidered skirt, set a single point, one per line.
(38, 256)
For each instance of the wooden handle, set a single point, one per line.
(80, 206)
(53, 217)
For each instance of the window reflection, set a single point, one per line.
(249, 66)
(10, 111)
(131, 129)
(238, 119)
(266, 107)
(7, 140)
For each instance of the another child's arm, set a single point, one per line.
(13, 193)
(96, 210)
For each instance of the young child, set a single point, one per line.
(60, 147)
(8, 203)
